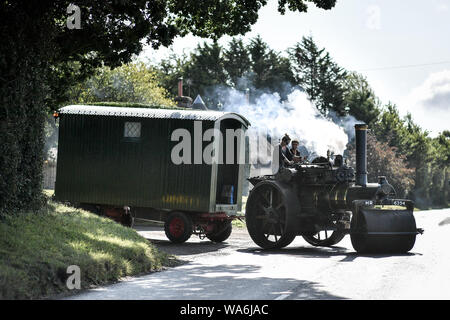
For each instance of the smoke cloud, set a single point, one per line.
(296, 116)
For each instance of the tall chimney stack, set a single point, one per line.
(182, 101)
(180, 86)
(361, 154)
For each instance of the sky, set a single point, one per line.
(402, 47)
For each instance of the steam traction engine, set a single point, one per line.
(324, 201)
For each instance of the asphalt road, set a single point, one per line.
(238, 269)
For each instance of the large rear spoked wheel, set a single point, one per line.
(269, 216)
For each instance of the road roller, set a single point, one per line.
(325, 200)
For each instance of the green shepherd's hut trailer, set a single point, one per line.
(119, 162)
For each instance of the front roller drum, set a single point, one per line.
(383, 231)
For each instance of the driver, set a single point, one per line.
(285, 157)
(296, 156)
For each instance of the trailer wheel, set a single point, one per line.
(222, 234)
(178, 227)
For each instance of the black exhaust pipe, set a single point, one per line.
(361, 154)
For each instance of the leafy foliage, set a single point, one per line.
(169, 70)
(269, 70)
(427, 156)
(132, 82)
(299, 5)
(441, 173)
(360, 100)
(319, 75)
(212, 18)
(205, 72)
(237, 63)
(210, 68)
(383, 160)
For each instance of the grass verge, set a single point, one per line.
(37, 248)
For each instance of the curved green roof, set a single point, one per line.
(188, 114)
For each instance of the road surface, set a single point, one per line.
(238, 269)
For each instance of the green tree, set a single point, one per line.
(390, 128)
(206, 73)
(441, 173)
(210, 70)
(306, 59)
(414, 144)
(322, 79)
(360, 100)
(418, 150)
(383, 160)
(170, 69)
(237, 64)
(269, 70)
(132, 82)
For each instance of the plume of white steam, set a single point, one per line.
(297, 117)
(347, 123)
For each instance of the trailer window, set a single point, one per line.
(132, 130)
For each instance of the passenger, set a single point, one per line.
(296, 156)
(285, 157)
